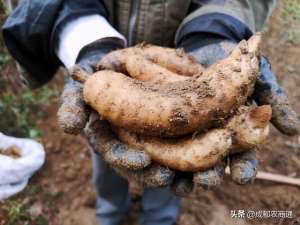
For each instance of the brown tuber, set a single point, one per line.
(177, 108)
(175, 60)
(243, 131)
(160, 101)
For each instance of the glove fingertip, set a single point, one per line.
(243, 167)
(288, 130)
(206, 181)
(121, 156)
(182, 186)
(287, 127)
(210, 178)
(243, 176)
(71, 120)
(158, 176)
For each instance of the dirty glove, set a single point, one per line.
(208, 49)
(74, 114)
(268, 91)
(130, 163)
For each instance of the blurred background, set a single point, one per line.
(61, 193)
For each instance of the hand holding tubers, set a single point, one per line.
(177, 108)
(243, 131)
(156, 99)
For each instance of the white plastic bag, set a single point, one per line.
(8, 190)
(15, 172)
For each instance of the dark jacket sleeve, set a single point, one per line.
(31, 33)
(229, 19)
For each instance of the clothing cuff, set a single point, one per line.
(80, 32)
(219, 24)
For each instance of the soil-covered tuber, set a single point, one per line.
(164, 104)
(178, 108)
(175, 60)
(243, 131)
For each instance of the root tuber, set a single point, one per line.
(244, 131)
(175, 60)
(143, 69)
(158, 99)
(178, 108)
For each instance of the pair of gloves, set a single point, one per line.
(74, 115)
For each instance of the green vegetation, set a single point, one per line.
(4, 56)
(291, 13)
(18, 113)
(294, 37)
(19, 108)
(17, 210)
(4, 59)
(292, 8)
(3, 10)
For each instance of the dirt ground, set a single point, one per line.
(62, 194)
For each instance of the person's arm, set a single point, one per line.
(65, 33)
(210, 33)
(231, 20)
(30, 33)
(219, 25)
(83, 41)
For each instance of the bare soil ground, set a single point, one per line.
(62, 194)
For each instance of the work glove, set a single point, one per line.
(74, 115)
(132, 164)
(208, 49)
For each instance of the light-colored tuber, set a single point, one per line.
(140, 68)
(175, 60)
(244, 131)
(177, 108)
(158, 99)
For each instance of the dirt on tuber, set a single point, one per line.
(177, 108)
(244, 131)
(160, 101)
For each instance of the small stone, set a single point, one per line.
(291, 69)
(36, 209)
(294, 174)
(70, 174)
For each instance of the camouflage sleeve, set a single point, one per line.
(231, 19)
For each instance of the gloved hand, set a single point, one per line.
(130, 163)
(208, 49)
(74, 114)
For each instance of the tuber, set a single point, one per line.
(175, 60)
(135, 165)
(143, 69)
(244, 131)
(104, 140)
(178, 108)
(158, 99)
